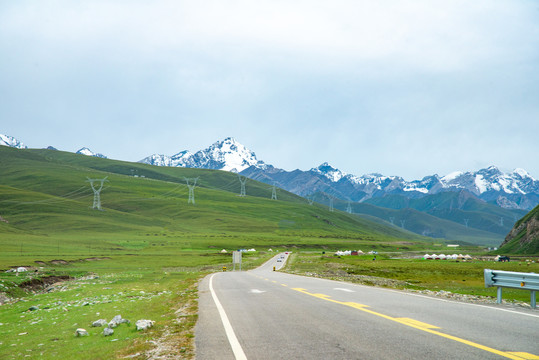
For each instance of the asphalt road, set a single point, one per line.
(265, 314)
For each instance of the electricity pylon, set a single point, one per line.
(392, 219)
(274, 192)
(191, 184)
(97, 192)
(331, 204)
(349, 208)
(466, 222)
(310, 199)
(402, 223)
(243, 180)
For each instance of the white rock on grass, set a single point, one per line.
(108, 331)
(81, 332)
(144, 324)
(117, 320)
(100, 322)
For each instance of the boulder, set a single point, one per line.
(100, 322)
(108, 331)
(81, 332)
(144, 324)
(117, 320)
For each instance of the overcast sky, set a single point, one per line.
(409, 88)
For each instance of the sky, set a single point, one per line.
(408, 88)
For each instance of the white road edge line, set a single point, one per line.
(232, 339)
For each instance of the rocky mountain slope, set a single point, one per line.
(524, 237)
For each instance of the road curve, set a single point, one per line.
(277, 315)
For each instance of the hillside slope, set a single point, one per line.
(524, 237)
(45, 194)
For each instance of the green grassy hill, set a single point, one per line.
(524, 237)
(439, 223)
(47, 203)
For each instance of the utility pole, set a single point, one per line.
(243, 180)
(191, 184)
(97, 192)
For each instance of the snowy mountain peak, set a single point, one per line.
(522, 173)
(329, 171)
(6, 140)
(228, 155)
(88, 152)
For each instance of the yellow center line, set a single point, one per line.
(422, 326)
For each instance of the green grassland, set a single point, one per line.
(460, 277)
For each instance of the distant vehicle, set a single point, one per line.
(279, 260)
(503, 258)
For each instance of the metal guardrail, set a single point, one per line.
(515, 280)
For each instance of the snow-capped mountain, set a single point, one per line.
(10, 141)
(515, 190)
(88, 152)
(227, 155)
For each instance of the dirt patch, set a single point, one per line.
(4, 220)
(97, 258)
(59, 262)
(41, 263)
(38, 284)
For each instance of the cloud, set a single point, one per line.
(329, 81)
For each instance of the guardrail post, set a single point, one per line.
(532, 301)
(499, 293)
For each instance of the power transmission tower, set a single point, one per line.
(402, 223)
(349, 208)
(392, 219)
(243, 180)
(274, 192)
(191, 184)
(331, 204)
(310, 199)
(97, 191)
(466, 222)
(501, 221)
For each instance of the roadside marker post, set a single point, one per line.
(236, 259)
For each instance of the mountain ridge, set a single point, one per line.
(514, 190)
